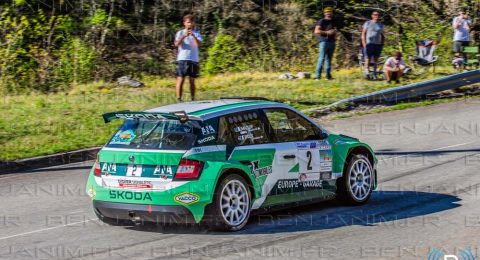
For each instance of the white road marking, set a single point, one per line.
(433, 150)
(45, 229)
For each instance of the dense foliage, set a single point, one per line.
(51, 45)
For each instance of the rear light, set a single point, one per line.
(96, 170)
(189, 169)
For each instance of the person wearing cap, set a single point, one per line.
(373, 39)
(461, 37)
(394, 67)
(325, 30)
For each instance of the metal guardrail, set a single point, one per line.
(402, 93)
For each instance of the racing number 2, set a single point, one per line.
(309, 164)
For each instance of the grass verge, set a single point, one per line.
(38, 124)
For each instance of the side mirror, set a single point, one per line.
(323, 135)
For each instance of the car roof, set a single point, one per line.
(221, 106)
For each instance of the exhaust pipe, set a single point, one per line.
(134, 218)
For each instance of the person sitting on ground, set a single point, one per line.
(458, 60)
(394, 67)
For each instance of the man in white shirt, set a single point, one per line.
(462, 26)
(187, 41)
(394, 67)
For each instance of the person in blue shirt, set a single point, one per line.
(373, 39)
(188, 42)
(461, 37)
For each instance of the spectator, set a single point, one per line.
(461, 37)
(373, 39)
(187, 41)
(458, 61)
(394, 67)
(325, 30)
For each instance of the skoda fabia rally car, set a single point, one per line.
(216, 162)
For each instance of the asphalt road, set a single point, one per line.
(428, 198)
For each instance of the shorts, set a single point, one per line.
(187, 68)
(374, 50)
(458, 46)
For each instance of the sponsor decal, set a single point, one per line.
(207, 130)
(325, 167)
(164, 171)
(311, 176)
(325, 160)
(295, 184)
(325, 175)
(257, 171)
(206, 139)
(306, 145)
(129, 195)
(326, 155)
(123, 137)
(325, 145)
(138, 184)
(205, 149)
(109, 168)
(186, 198)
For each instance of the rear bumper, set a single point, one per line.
(142, 212)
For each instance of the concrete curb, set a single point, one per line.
(49, 160)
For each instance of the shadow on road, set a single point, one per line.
(389, 208)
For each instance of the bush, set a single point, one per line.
(76, 64)
(225, 55)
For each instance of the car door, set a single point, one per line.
(312, 158)
(249, 141)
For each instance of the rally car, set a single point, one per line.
(217, 162)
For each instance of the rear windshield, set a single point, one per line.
(155, 134)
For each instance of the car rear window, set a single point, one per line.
(155, 134)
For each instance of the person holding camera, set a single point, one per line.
(461, 37)
(188, 42)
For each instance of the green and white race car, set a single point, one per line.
(217, 162)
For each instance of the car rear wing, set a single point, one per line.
(127, 114)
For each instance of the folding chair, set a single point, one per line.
(379, 75)
(472, 57)
(425, 57)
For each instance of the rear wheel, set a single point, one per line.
(230, 209)
(356, 185)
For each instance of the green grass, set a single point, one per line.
(38, 124)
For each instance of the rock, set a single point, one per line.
(286, 76)
(127, 81)
(303, 75)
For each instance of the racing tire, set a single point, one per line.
(231, 205)
(356, 186)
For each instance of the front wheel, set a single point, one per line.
(356, 185)
(230, 209)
